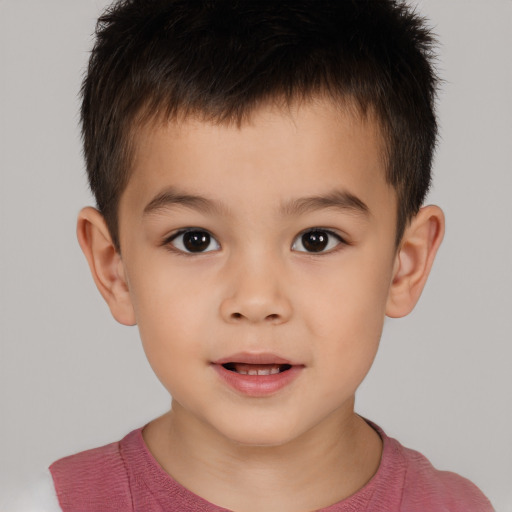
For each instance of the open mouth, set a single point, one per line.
(257, 375)
(256, 369)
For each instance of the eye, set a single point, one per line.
(316, 241)
(193, 241)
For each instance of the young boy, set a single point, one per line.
(259, 169)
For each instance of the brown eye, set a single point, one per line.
(316, 241)
(194, 241)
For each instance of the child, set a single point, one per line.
(259, 169)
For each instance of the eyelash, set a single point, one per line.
(330, 234)
(170, 246)
(168, 242)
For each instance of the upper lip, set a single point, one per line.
(254, 358)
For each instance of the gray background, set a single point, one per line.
(71, 378)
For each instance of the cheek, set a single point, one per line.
(351, 302)
(171, 317)
(346, 316)
(350, 329)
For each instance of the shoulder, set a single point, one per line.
(442, 491)
(89, 462)
(37, 496)
(90, 479)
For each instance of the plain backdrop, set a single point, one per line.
(71, 378)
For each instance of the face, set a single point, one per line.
(259, 261)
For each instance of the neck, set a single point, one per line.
(321, 467)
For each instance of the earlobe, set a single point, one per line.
(105, 263)
(414, 260)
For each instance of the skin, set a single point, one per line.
(257, 290)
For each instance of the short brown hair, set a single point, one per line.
(220, 59)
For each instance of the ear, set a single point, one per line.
(414, 259)
(106, 265)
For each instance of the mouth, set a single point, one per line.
(257, 375)
(256, 369)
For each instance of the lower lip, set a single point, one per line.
(258, 385)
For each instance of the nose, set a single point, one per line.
(256, 294)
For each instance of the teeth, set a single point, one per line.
(264, 371)
(256, 369)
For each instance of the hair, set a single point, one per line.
(222, 59)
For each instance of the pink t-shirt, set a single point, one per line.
(124, 476)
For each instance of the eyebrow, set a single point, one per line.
(173, 197)
(338, 199)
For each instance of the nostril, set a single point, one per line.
(270, 318)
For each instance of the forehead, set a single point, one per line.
(313, 145)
